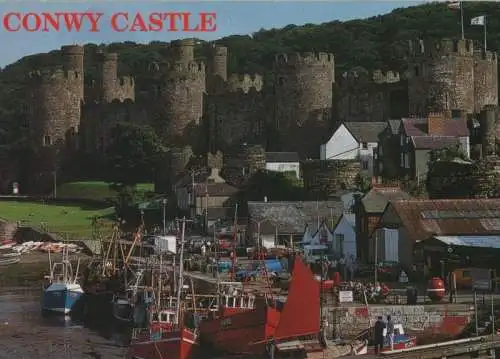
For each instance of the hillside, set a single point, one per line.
(377, 42)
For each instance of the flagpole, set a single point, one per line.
(462, 18)
(485, 34)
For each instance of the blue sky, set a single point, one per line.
(232, 18)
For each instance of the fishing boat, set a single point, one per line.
(271, 327)
(62, 291)
(167, 336)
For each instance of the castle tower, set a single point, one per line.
(487, 119)
(182, 50)
(109, 86)
(181, 100)
(108, 68)
(303, 100)
(73, 61)
(217, 67)
(448, 75)
(56, 99)
(485, 79)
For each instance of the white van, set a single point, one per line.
(313, 253)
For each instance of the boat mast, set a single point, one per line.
(181, 270)
(233, 262)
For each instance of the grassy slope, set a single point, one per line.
(99, 191)
(75, 221)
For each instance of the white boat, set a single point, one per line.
(63, 290)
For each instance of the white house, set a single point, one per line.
(283, 162)
(354, 140)
(344, 235)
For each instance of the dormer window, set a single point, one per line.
(364, 145)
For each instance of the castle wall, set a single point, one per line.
(326, 178)
(235, 116)
(303, 100)
(98, 120)
(370, 97)
(441, 76)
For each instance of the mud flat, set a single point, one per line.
(24, 334)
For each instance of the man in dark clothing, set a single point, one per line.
(379, 334)
(390, 332)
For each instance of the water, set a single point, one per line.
(25, 334)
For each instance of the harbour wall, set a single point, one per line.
(416, 319)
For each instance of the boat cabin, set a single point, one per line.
(244, 301)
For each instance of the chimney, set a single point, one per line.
(215, 176)
(436, 124)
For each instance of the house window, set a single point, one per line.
(402, 142)
(380, 151)
(364, 164)
(47, 141)
(407, 160)
(339, 243)
(402, 160)
(364, 145)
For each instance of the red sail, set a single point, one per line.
(300, 315)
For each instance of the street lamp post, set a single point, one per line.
(257, 222)
(164, 202)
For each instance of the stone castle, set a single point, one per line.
(199, 108)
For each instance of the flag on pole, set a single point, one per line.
(478, 20)
(454, 6)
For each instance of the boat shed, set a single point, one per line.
(445, 223)
(460, 251)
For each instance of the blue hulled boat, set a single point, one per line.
(62, 291)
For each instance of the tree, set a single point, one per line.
(275, 186)
(133, 156)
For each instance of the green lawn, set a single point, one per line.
(98, 190)
(73, 221)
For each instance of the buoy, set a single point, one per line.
(436, 289)
(403, 277)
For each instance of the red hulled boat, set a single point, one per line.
(254, 331)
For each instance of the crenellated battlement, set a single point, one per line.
(72, 50)
(361, 76)
(53, 76)
(103, 56)
(442, 47)
(182, 43)
(245, 82)
(219, 50)
(307, 58)
(488, 55)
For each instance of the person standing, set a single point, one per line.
(452, 284)
(379, 334)
(390, 332)
(342, 268)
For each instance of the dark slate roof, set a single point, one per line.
(377, 199)
(282, 157)
(293, 217)
(394, 126)
(215, 189)
(366, 131)
(426, 218)
(419, 127)
(434, 142)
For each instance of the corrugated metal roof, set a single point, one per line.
(425, 218)
(471, 241)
